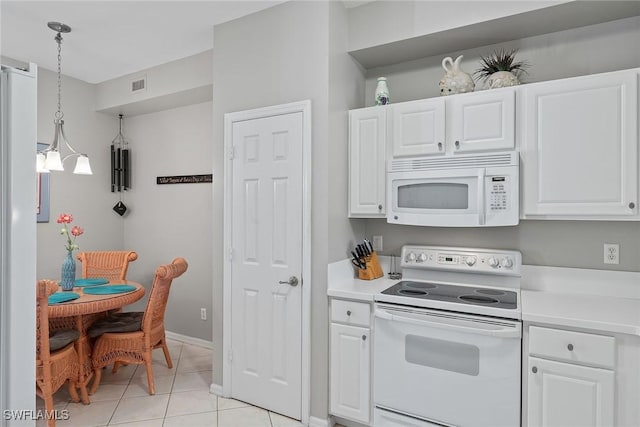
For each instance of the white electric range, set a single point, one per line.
(447, 346)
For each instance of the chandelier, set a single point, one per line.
(50, 159)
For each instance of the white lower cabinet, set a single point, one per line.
(564, 392)
(350, 363)
(566, 395)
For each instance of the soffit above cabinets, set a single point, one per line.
(560, 17)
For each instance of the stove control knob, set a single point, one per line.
(410, 257)
(493, 262)
(506, 262)
(470, 260)
(422, 257)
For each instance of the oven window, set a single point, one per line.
(433, 196)
(440, 354)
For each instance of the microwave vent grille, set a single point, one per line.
(429, 163)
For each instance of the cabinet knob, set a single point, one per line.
(348, 312)
(632, 205)
(570, 347)
(364, 338)
(457, 144)
(534, 370)
(379, 207)
(440, 146)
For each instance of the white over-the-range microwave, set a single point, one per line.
(480, 190)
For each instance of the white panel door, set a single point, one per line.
(567, 395)
(350, 372)
(580, 147)
(367, 156)
(418, 128)
(482, 121)
(267, 251)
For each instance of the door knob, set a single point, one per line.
(534, 370)
(293, 281)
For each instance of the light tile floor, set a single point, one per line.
(182, 397)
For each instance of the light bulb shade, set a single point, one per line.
(82, 166)
(40, 161)
(53, 161)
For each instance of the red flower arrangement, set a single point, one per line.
(72, 234)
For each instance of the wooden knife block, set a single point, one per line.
(373, 270)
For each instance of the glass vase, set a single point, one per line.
(68, 272)
(382, 92)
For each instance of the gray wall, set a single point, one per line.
(167, 221)
(87, 197)
(346, 91)
(593, 49)
(304, 59)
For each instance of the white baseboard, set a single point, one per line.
(188, 340)
(216, 389)
(318, 422)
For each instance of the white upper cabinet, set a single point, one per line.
(482, 121)
(459, 123)
(418, 128)
(580, 147)
(367, 156)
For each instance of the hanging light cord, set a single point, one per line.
(59, 113)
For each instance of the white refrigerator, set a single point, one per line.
(18, 135)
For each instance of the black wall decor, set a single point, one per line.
(120, 162)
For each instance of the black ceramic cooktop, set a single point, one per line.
(456, 294)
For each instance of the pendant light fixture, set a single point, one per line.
(120, 162)
(50, 158)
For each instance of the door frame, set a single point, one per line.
(303, 107)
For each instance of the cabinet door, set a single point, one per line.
(566, 395)
(418, 128)
(579, 153)
(367, 156)
(350, 372)
(482, 121)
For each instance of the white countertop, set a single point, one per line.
(343, 283)
(610, 314)
(601, 300)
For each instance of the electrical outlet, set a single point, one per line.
(203, 314)
(611, 253)
(377, 243)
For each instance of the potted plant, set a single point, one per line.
(500, 69)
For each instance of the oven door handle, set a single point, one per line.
(504, 332)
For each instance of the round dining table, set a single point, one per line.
(82, 312)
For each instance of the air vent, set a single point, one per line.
(428, 163)
(139, 84)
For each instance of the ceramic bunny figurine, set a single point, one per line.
(455, 80)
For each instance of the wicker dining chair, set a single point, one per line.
(111, 265)
(131, 337)
(56, 358)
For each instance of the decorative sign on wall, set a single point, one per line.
(184, 179)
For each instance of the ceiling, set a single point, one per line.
(113, 38)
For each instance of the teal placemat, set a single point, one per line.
(109, 289)
(59, 297)
(90, 282)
